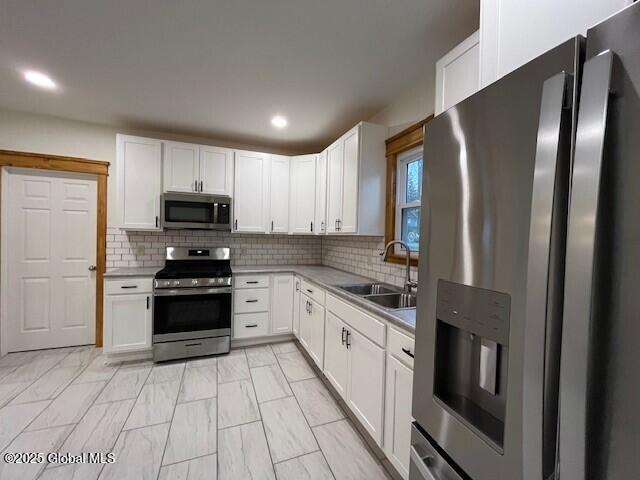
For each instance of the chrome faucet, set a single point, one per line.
(408, 284)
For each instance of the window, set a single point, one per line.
(409, 193)
(404, 190)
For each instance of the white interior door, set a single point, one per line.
(49, 222)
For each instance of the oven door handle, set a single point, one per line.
(179, 292)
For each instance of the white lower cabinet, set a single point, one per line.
(128, 315)
(355, 366)
(282, 304)
(336, 355)
(312, 329)
(397, 429)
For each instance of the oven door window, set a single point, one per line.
(191, 313)
(189, 212)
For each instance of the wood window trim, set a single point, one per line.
(76, 165)
(409, 138)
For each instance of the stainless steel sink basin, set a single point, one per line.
(394, 301)
(369, 289)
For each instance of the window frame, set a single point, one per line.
(399, 148)
(402, 162)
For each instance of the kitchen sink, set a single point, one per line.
(369, 289)
(393, 301)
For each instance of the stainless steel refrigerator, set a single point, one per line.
(528, 329)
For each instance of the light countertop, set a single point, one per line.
(330, 279)
(326, 277)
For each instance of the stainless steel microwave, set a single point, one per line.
(196, 211)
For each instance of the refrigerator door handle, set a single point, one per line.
(549, 198)
(579, 284)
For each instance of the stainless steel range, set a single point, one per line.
(192, 303)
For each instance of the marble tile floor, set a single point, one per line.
(257, 413)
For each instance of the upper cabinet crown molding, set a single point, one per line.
(138, 202)
(197, 168)
(458, 74)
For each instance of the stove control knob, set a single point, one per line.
(194, 281)
(176, 283)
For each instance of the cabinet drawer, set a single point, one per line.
(251, 281)
(313, 291)
(251, 300)
(401, 346)
(128, 285)
(358, 319)
(246, 325)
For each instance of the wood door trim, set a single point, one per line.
(99, 168)
(410, 137)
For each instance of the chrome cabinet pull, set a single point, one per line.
(343, 331)
(348, 338)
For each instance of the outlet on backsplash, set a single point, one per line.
(139, 250)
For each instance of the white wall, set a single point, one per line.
(514, 32)
(55, 136)
(410, 107)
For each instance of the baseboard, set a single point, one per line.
(113, 358)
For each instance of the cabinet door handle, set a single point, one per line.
(193, 344)
(253, 325)
(311, 227)
(129, 286)
(252, 282)
(321, 226)
(335, 226)
(343, 330)
(348, 339)
(251, 301)
(272, 225)
(310, 291)
(236, 224)
(201, 185)
(157, 221)
(147, 302)
(408, 352)
(310, 308)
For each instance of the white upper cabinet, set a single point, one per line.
(348, 222)
(320, 225)
(216, 170)
(334, 186)
(356, 174)
(303, 194)
(458, 74)
(181, 167)
(512, 33)
(138, 190)
(197, 168)
(279, 194)
(251, 189)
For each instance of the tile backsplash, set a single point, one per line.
(359, 255)
(147, 249)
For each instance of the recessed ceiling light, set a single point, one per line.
(279, 121)
(40, 79)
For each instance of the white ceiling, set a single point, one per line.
(223, 68)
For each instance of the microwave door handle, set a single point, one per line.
(581, 249)
(553, 124)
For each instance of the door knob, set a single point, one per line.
(92, 268)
